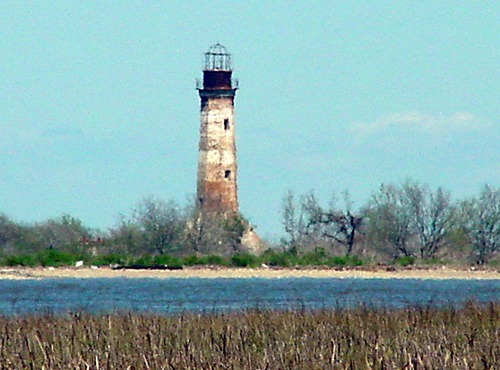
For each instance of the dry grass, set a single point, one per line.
(362, 338)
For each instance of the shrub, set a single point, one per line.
(109, 259)
(56, 258)
(494, 263)
(344, 261)
(244, 260)
(405, 261)
(143, 261)
(25, 260)
(192, 261)
(167, 260)
(336, 261)
(314, 258)
(354, 261)
(214, 260)
(433, 261)
(283, 259)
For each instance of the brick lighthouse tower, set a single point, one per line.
(216, 185)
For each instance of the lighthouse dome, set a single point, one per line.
(217, 58)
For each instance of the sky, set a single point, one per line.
(98, 107)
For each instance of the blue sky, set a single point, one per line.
(98, 106)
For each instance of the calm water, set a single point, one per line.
(208, 295)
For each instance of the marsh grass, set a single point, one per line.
(360, 338)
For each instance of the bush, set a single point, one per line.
(354, 261)
(21, 260)
(167, 260)
(214, 260)
(56, 258)
(244, 260)
(344, 261)
(494, 263)
(318, 257)
(433, 261)
(192, 260)
(405, 261)
(143, 261)
(109, 259)
(46, 258)
(314, 258)
(283, 259)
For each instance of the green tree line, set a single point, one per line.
(404, 222)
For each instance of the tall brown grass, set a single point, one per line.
(361, 338)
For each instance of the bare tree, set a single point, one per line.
(161, 224)
(64, 233)
(432, 216)
(315, 225)
(339, 224)
(289, 218)
(481, 220)
(126, 237)
(347, 223)
(411, 218)
(10, 234)
(215, 234)
(390, 220)
(312, 228)
(212, 232)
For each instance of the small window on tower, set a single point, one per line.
(226, 124)
(227, 174)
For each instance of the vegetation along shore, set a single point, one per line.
(360, 338)
(402, 225)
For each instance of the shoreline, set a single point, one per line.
(441, 273)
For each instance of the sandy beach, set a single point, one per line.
(270, 273)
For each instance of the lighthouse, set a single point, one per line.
(217, 190)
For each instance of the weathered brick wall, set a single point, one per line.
(217, 167)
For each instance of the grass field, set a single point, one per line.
(361, 338)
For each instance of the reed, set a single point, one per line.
(360, 338)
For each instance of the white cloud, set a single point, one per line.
(416, 121)
(15, 136)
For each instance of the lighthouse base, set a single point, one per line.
(251, 242)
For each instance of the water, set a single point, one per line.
(167, 296)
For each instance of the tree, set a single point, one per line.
(126, 238)
(10, 234)
(390, 220)
(432, 216)
(64, 233)
(411, 218)
(161, 224)
(155, 226)
(213, 233)
(481, 220)
(335, 223)
(289, 219)
(315, 224)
